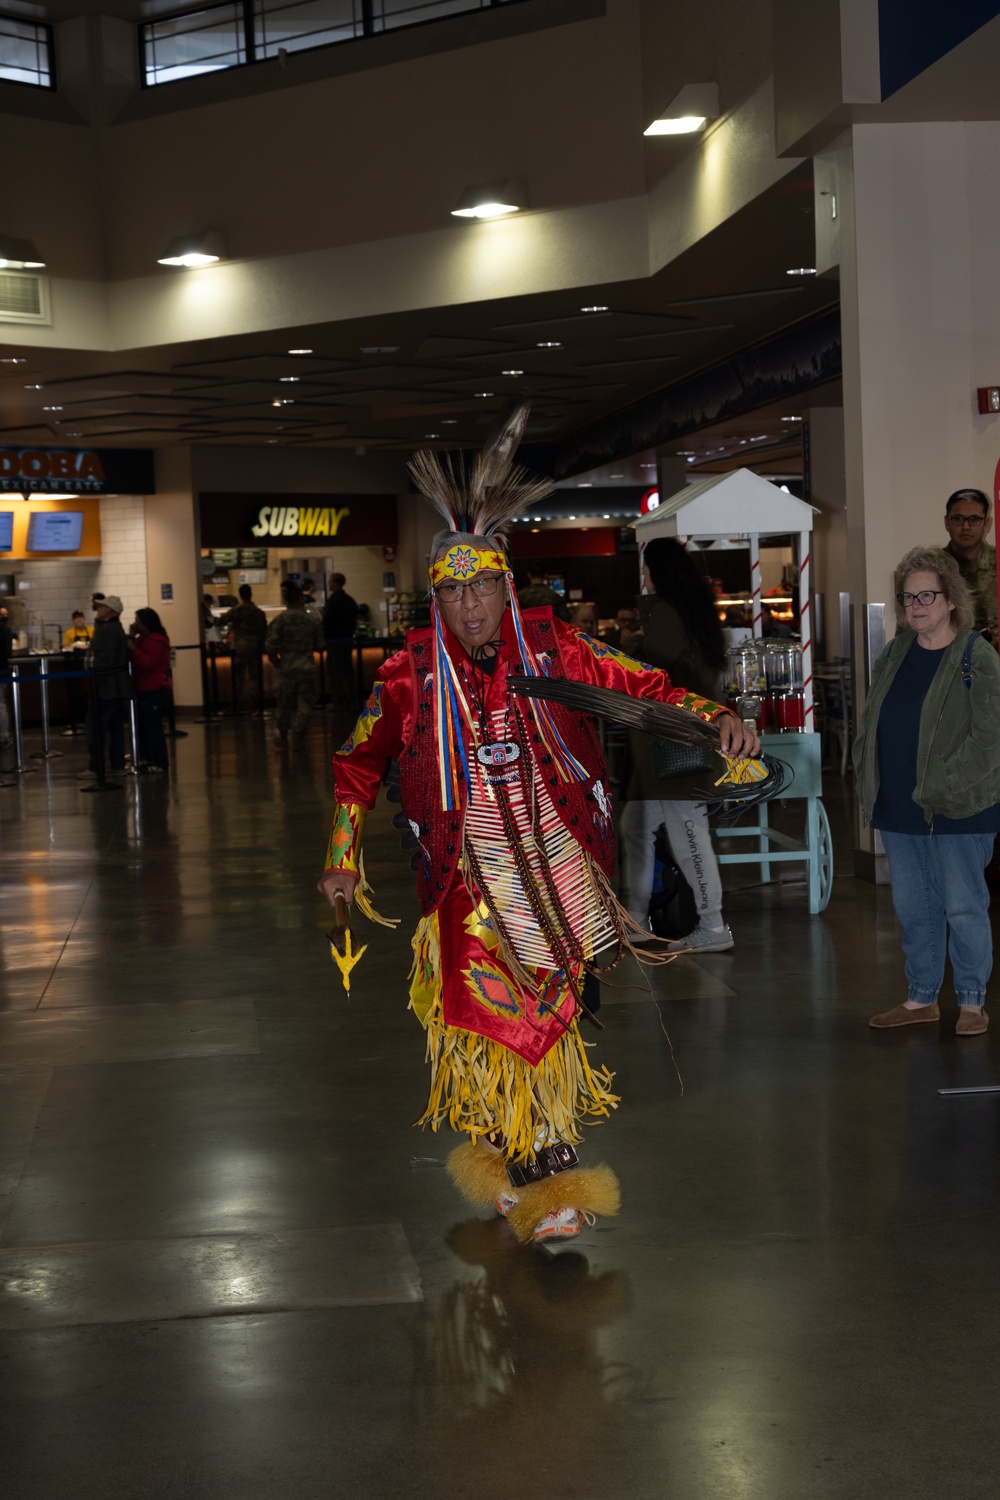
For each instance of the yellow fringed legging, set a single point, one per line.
(482, 1088)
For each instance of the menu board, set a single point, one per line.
(6, 530)
(55, 530)
(253, 557)
(224, 557)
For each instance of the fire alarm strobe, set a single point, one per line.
(989, 398)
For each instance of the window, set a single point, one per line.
(247, 31)
(200, 41)
(26, 54)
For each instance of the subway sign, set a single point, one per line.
(317, 521)
(297, 522)
(76, 471)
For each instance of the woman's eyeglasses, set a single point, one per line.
(451, 593)
(925, 597)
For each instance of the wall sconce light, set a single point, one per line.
(489, 200)
(688, 111)
(19, 255)
(193, 250)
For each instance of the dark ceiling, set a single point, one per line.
(437, 375)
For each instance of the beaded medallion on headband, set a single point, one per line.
(478, 503)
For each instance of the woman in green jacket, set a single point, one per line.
(927, 759)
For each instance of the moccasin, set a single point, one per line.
(900, 1016)
(971, 1021)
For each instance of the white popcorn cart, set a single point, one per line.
(737, 510)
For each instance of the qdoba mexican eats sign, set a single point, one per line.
(76, 471)
(232, 520)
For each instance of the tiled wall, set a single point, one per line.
(58, 586)
(123, 545)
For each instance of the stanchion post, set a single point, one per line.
(15, 695)
(133, 725)
(214, 674)
(46, 752)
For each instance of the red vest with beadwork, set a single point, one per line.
(586, 812)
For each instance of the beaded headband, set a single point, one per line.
(463, 562)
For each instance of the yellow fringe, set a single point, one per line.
(480, 1087)
(363, 899)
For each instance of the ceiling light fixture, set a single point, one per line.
(549, 344)
(491, 200)
(595, 309)
(484, 395)
(688, 111)
(34, 388)
(571, 518)
(300, 351)
(607, 515)
(288, 379)
(195, 250)
(801, 271)
(9, 360)
(791, 419)
(432, 434)
(51, 408)
(19, 255)
(616, 476)
(585, 484)
(511, 372)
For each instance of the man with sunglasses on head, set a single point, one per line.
(967, 519)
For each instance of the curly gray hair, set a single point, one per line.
(954, 587)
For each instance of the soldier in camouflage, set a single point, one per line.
(967, 518)
(292, 639)
(248, 624)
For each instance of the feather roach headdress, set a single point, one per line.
(482, 498)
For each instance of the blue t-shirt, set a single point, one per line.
(898, 734)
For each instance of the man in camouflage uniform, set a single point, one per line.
(291, 641)
(248, 624)
(967, 518)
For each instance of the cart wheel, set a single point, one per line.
(824, 854)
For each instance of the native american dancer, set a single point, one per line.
(508, 798)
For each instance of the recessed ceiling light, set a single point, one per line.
(194, 250)
(484, 395)
(647, 466)
(616, 476)
(535, 530)
(571, 518)
(801, 271)
(537, 518)
(595, 309)
(791, 419)
(379, 348)
(51, 408)
(491, 200)
(295, 351)
(691, 458)
(549, 344)
(432, 434)
(288, 379)
(607, 515)
(449, 421)
(688, 110)
(34, 387)
(11, 361)
(70, 433)
(585, 484)
(273, 440)
(511, 372)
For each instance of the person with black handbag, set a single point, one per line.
(682, 635)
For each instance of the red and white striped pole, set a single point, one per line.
(805, 628)
(755, 585)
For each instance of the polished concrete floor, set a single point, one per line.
(230, 1267)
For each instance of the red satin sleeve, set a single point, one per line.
(359, 765)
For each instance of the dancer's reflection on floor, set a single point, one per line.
(519, 1388)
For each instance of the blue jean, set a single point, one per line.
(940, 893)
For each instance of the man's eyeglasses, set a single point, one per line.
(451, 593)
(925, 597)
(956, 520)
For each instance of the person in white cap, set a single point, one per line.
(108, 658)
